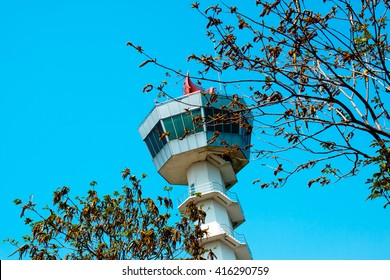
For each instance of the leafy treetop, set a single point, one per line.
(124, 225)
(318, 83)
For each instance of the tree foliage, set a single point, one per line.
(123, 225)
(314, 75)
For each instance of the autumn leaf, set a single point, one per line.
(147, 88)
(195, 5)
(164, 134)
(146, 62)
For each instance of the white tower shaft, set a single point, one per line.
(207, 188)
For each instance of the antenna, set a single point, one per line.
(218, 73)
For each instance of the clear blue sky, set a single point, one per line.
(71, 103)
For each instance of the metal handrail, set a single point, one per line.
(237, 236)
(229, 231)
(206, 188)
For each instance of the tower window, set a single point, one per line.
(153, 141)
(220, 120)
(180, 125)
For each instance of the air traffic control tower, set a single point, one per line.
(181, 136)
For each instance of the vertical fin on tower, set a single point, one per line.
(189, 87)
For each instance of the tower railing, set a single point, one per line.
(229, 231)
(237, 236)
(208, 187)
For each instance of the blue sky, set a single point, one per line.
(70, 104)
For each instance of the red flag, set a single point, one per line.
(189, 87)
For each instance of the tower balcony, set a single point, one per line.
(225, 234)
(217, 192)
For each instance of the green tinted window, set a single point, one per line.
(170, 128)
(198, 123)
(177, 125)
(153, 141)
(235, 128)
(208, 112)
(187, 120)
(214, 121)
(150, 146)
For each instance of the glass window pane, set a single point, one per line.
(198, 123)
(218, 115)
(150, 146)
(226, 127)
(153, 140)
(178, 124)
(158, 142)
(170, 128)
(218, 127)
(235, 128)
(187, 120)
(159, 132)
(208, 113)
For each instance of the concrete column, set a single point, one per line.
(205, 175)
